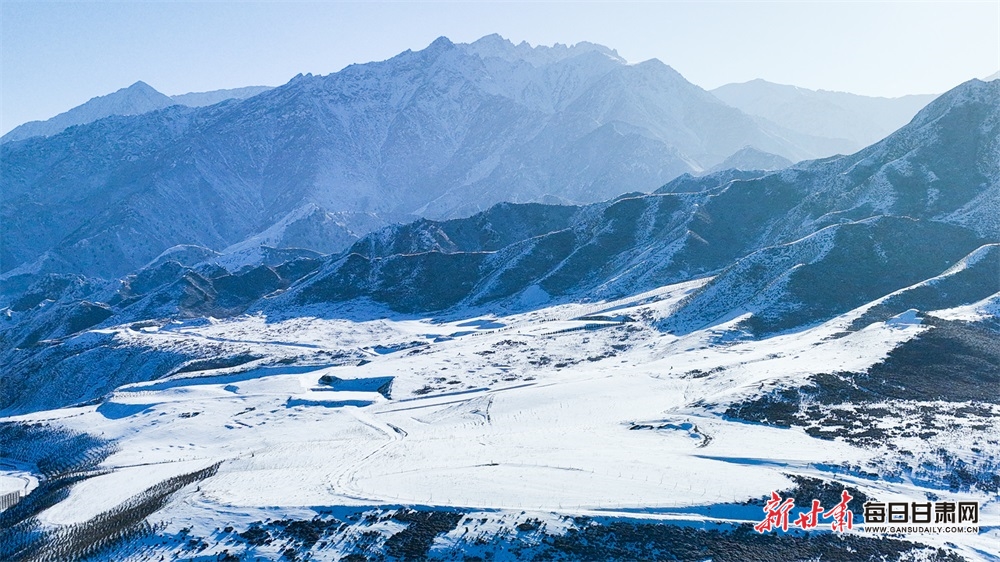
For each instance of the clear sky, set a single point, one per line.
(55, 55)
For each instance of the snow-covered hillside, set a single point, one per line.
(567, 414)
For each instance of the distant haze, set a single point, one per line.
(56, 56)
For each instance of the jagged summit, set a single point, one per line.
(495, 45)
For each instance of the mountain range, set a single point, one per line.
(785, 249)
(439, 133)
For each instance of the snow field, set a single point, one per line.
(632, 429)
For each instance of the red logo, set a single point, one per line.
(777, 510)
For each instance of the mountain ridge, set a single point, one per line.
(136, 99)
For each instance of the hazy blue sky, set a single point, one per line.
(55, 55)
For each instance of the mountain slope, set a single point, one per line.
(201, 99)
(835, 270)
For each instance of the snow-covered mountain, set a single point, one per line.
(134, 100)
(442, 132)
(859, 120)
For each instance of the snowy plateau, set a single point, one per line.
(214, 363)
